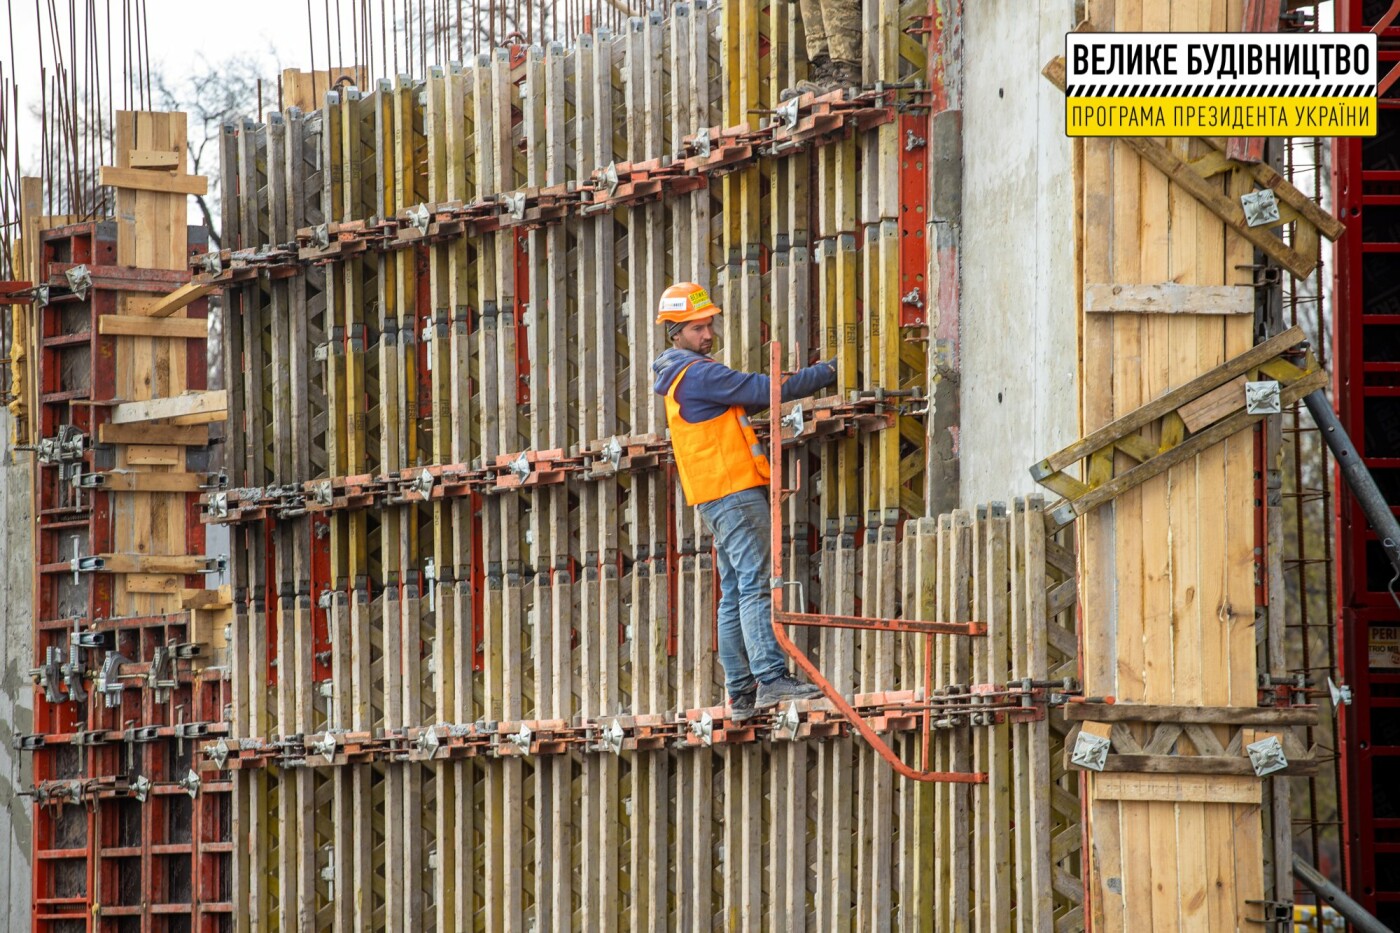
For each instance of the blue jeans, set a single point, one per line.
(747, 648)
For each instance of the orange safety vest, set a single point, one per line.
(715, 457)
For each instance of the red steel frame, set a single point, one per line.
(103, 859)
(1366, 392)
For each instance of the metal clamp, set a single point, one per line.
(793, 419)
(704, 728)
(523, 738)
(1267, 756)
(190, 782)
(1341, 693)
(79, 280)
(325, 747)
(430, 575)
(611, 737)
(1090, 751)
(1260, 207)
(787, 722)
(1263, 397)
(702, 143)
(423, 484)
(612, 450)
(419, 217)
(787, 114)
(520, 466)
(141, 787)
(80, 564)
(428, 741)
(66, 446)
(218, 753)
(515, 201)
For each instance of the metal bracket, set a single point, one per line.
(423, 484)
(321, 236)
(80, 564)
(430, 575)
(64, 447)
(49, 675)
(787, 114)
(1263, 397)
(1267, 756)
(787, 723)
(612, 450)
(325, 748)
(1341, 693)
(212, 262)
(1260, 207)
(218, 753)
(141, 787)
(704, 728)
(609, 177)
(90, 738)
(520, 466)
(515, 202)
(216, 564)
(611, 737)
(429, 741)
(419, 217)
(79, 280)
(522, 739)
(218, 505)
(323, 493)
(109, 682)
(190, 782)
(1090, 751)
(702, 142)
(793, 419)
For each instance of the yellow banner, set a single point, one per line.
(1220, 116)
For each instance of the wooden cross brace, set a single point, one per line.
(1196, 177)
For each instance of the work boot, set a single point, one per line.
(818, 81)
(782, 689)
(844, 74)
(741, 708)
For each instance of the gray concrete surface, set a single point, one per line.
(1018, 330)
(16, 698)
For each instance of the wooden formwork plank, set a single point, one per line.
(960, 750)
(1037, 783)
(998, 828)
(981, 840)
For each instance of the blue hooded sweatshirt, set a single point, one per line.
(710, 387)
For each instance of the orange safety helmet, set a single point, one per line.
(685, 301)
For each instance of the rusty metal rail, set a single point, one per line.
(887, 712)
(712, 152)
(821, 418)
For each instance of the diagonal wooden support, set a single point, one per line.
(1186, 421)
(1309, 220)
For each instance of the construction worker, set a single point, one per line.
(833, 31)
(724, 472)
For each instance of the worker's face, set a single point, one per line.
(697, 336)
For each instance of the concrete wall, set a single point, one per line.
(16, 697)
(1018, 326)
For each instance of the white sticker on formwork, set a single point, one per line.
(1384, 643)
